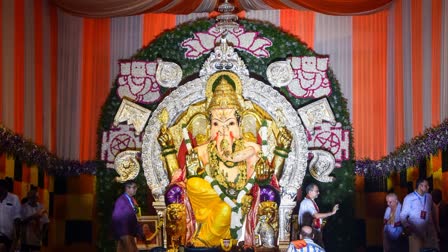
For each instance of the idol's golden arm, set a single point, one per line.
(284, 139)
(171, 164)
(277, 164)
(169, 153)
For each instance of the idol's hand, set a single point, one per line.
(284, 138)
(263, 170)
(165, 139)
(193, 164)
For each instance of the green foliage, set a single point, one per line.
(340, 228)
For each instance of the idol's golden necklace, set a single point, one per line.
(221, 176)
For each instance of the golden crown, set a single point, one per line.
(224, 91)
(224, 96)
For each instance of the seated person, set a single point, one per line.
(305, 243)
(220, 172)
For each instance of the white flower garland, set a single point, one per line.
(186, 137)
(264, 138)
(236, 220)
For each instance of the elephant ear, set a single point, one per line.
(196, 121)
(250, 124)
(198, 128)
(322, 64)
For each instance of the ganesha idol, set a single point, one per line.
(221, 153)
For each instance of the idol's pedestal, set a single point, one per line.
(261, 249)
(201, 249)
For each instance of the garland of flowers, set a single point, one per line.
(32, 154)
(408, 154)
(237, 216)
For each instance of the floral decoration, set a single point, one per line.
(137, 81)
(310, 77)
(15, 145)
(408, 154)
(204, 42)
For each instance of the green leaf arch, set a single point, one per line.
(167, 47)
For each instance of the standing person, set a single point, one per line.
(309, 214)
(306, 243)
(441, 218)
(416, 217)
(392, 238)
(124, 219)
(9, 217)
(34, 222)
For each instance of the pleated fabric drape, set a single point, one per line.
(369, 89)
(444, 61)
(68, 109)
(396, 120)
(28, 67)
(114, 8)
(155, 24)
(391, 65)
(434, 75)
(125, 40)
(18, 61)
(95, 81)
(299, 23)
(271, 16)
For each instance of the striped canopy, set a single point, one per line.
(113, 8)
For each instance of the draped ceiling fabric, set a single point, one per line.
(115, 8)
(392, 66)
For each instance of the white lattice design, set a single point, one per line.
(116, 140)
(332, 138)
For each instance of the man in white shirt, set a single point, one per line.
(309, 214)
(34, 222)
(392, 235)
(9, 216)
(306, 243)
(416, 217)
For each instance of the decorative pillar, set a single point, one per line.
(285, 212)
(161, 212)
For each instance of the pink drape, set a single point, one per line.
(113, 8)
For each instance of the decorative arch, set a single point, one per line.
(279, 46)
